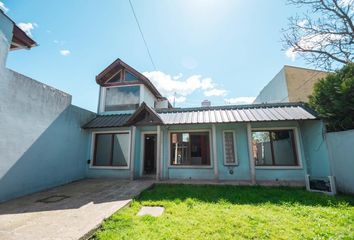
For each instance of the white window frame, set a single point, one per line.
(297, 146)
(93, 143)
(210, 166)
(235, 147)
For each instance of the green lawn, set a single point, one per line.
(233, 212)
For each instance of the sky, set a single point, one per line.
(225, 51)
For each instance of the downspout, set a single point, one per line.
(132, 153)
(215, 155)
(161, 155)
(158, 153)
(250, 155)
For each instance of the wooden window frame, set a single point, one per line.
(234, 146)
(94, 148)
(295, 145)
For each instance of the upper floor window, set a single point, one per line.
(122, 75)
(129, 77)
(122, 98)
(116, 78)
(274, 148)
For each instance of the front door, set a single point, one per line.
(149, 154)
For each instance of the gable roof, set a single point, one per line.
(116, 66)
(221, 114)
(144, 112)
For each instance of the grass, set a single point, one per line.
(233, 212)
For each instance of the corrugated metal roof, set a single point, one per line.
(251, 114)
(223, 114)
(105, 121)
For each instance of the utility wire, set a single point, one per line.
(142, 36)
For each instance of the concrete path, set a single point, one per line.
(66, 212)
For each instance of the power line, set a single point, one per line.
(142, 36)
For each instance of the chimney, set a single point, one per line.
(206, 103)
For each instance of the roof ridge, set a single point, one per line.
(225, 107)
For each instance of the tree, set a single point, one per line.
(324, 35)
(333, 99)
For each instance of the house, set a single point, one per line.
(137, 134)
(291, 84)
(47, 141)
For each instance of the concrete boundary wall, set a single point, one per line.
(341, 150)
(42, 144)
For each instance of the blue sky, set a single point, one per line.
(222, 50)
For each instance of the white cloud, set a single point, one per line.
(169, 85)
(3, 7)
(65, 52)
(177, 88)
(290, 53)
(240, 100)
(346, 2)
(180, 99)
(215, 92)
(312, 41)
(303, 23)
(27, 27)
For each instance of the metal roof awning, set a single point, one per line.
(107, 121)
(223, 114)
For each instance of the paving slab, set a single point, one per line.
(152, 211)
(66, 212)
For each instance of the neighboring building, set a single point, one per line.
(291, 84)
(137, 135)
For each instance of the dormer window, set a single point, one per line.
(122, 75)
(129, 77)
(122, 98)
(115, 78)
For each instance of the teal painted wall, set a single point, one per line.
(307, 138)
(242, 170)
(340, 145)
(315, 148)
(92, 172)
(175, 172)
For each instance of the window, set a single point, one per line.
(112, 149)
(129, 77)
(229, 148)
(274, 148)
(116, 78)
(190, 148)
(122, 98)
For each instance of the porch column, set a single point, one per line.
(132, 152)
(158, 153)
(215, 154)
(250, 154)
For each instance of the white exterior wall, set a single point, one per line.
(275, 91)
(145, 96)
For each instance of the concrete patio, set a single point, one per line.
(70, 211)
